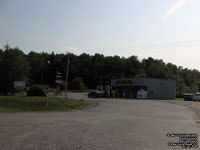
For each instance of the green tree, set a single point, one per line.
(14, 67)
(134, 67)
(155, 68)
(37, 67)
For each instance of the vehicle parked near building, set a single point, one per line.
(188, 97)
(96, 94)
(196, 97)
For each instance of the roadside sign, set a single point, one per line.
(19, 85)
(58, 81)
(58, 77)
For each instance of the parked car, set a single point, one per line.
(188, 97)
(96, 94)
(196, 97)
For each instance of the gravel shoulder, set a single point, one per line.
(193, 106)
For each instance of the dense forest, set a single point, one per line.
(41, 68)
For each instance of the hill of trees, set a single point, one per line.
(41, 68)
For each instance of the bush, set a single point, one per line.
(77, 84)
(36, 90)
(62, 86)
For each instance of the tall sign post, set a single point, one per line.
(68, 62)
(58, 81)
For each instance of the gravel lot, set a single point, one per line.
(111, 125)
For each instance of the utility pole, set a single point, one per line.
(42, 78)
(68, 62)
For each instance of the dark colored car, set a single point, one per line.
(96, 94)
(188, 97)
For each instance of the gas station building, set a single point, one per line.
(144, 88)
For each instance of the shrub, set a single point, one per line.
(36, 90)
(62, 86)
(77, 84)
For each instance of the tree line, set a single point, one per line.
(41, 68)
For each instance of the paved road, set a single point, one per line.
(112, 125)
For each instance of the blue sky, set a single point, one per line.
(168, 30)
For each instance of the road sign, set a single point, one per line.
(58, 77)
(19, 85)
(58, 81)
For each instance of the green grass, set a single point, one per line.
(53, 90)
(180, 99)
(81, 91)
(32, 104)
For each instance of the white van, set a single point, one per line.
(196, 97)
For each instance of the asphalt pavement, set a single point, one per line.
(112, 125)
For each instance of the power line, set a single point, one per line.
(118, 67)
(94, 75)
(100, 75)
(148, 46)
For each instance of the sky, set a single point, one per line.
(168, 30)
